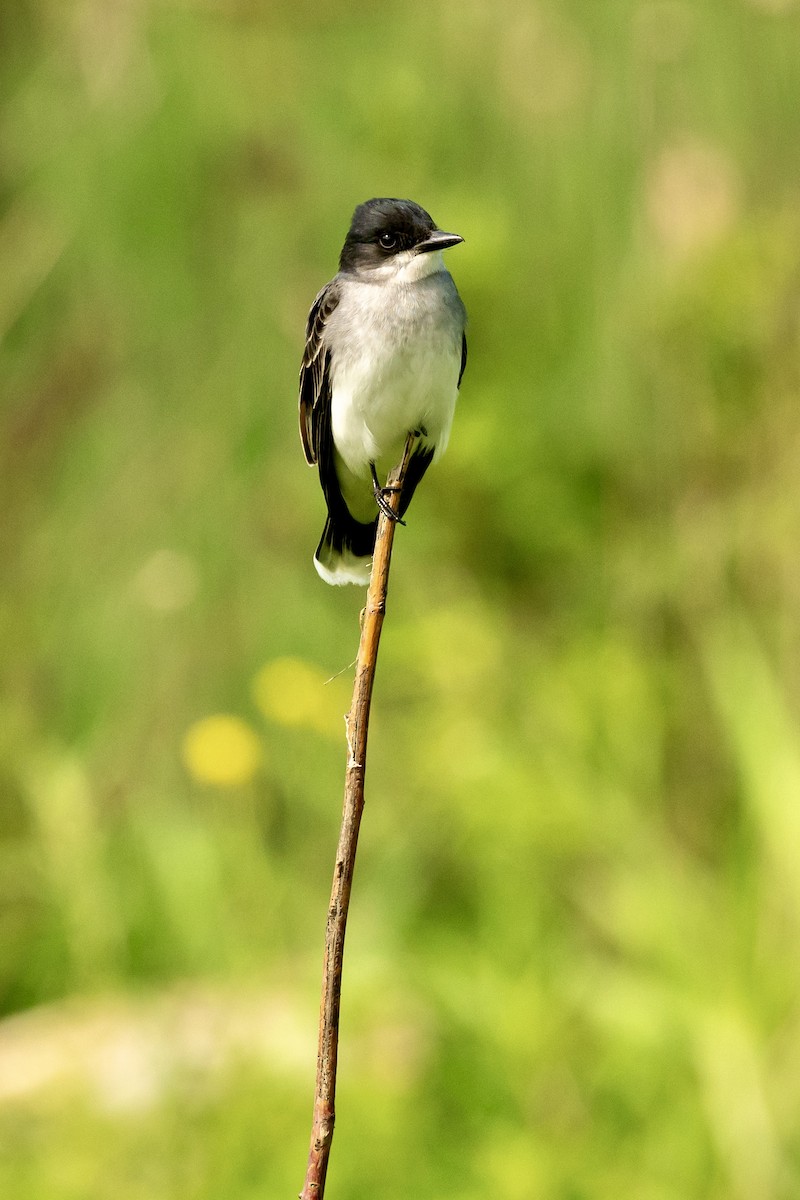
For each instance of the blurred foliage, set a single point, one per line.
(572, 961)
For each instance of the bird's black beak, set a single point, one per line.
(438, 240)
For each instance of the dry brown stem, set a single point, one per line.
(357, 731)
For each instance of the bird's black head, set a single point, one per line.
(384, 228)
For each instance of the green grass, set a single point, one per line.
(571, 968)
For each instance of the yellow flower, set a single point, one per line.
(294, 693)
(222, 750)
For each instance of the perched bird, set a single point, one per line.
(385, 352)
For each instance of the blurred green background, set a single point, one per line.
(572, 968)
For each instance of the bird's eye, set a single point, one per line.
(387, 241)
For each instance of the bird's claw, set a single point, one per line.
(381, 492)
(383, 504)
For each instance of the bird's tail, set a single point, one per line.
(344, 553)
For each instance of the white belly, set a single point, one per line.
(400, 373)
(375, 405)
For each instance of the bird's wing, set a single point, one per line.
(463, 358)
(418, 464)
(315, 391)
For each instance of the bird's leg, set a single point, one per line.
(381, 492)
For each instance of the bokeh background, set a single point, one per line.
(572, 966)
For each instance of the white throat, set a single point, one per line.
(409, 267)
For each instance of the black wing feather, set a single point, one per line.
(418, 464)
(463, 358)
(315, 392)
(315, 427)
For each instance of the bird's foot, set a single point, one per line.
(383, 504)
(381, 493)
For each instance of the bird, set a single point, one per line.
(384, 355)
